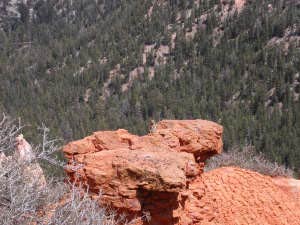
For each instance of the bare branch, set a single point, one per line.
(26, 198)
(8, 130)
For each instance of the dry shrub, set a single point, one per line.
(79, 208)
(8, 131)
(248, 158)
(20, 200)
(57, 202)
(29, 201)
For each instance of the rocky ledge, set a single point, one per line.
(159, 178)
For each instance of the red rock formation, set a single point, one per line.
(236, 196)
(200, 137)
(159, 178)
(144, 174)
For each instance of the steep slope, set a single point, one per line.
(106, 64)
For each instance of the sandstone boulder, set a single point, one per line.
(145, 174)
(159, 178)
(200, 137)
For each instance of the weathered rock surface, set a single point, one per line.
(159, 178)
(290, 186)
(144, 174)
(199, 137)
(32, 172)
(236, 196)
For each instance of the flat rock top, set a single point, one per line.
(199, 137)
(152, 171)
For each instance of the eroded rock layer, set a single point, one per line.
(159, 178)
(145, 175)
(236, 196)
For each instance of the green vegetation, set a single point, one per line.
(243, 81)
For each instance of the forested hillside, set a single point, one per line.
(80, 66)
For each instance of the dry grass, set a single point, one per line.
(248, 158)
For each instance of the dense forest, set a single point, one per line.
(82, 66)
